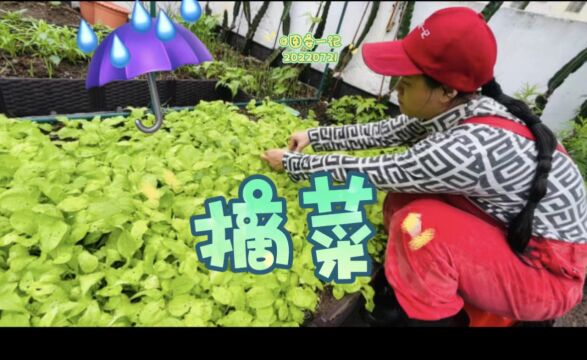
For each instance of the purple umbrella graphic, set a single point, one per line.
(145, 46)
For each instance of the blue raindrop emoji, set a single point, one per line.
(141, 20)
(190, 10)
(119, 55)
(164, 28)
(87, 40)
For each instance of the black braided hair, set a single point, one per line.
(520, 228)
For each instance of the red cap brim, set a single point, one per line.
(389, 58)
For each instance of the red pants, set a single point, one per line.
(443, 252)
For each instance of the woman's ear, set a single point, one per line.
(448, 94)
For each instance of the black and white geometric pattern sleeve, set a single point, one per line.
(399, 130)
(444, 162)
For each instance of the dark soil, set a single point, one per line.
(33, 67)
(26, 66)
(61, 14)
(577, 317)
(332, 312)
(319, 109)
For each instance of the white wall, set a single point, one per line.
(531, 47)
(557, 9)
(534, 47)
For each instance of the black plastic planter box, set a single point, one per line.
(20, 97)
(334, 313)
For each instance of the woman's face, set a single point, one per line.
(417, 99)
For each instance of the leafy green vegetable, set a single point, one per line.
(575, 141)
(355, 109)
(94, 231)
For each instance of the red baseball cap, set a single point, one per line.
(454, 46)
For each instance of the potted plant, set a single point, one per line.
(104, 12)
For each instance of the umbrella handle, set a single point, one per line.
(156, 105)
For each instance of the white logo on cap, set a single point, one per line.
(424, 32)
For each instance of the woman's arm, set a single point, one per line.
(395, 131)
(441, 163)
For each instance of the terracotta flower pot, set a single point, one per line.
(103, 12)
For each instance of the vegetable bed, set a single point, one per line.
(94, 222)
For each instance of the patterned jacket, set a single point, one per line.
(492, 167)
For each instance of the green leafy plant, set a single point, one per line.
(575, 141)
(235, 79)
(528, 94)
(283, 78)
(255, 78)
(52, 44)
(355, 109)
(242, 72)
(94, 222)
(205, 28)
(582, 112)
(213, 69)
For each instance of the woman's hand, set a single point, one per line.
(298, 141)
(275, 158)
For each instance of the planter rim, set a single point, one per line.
(66, 79)
(111, 6)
